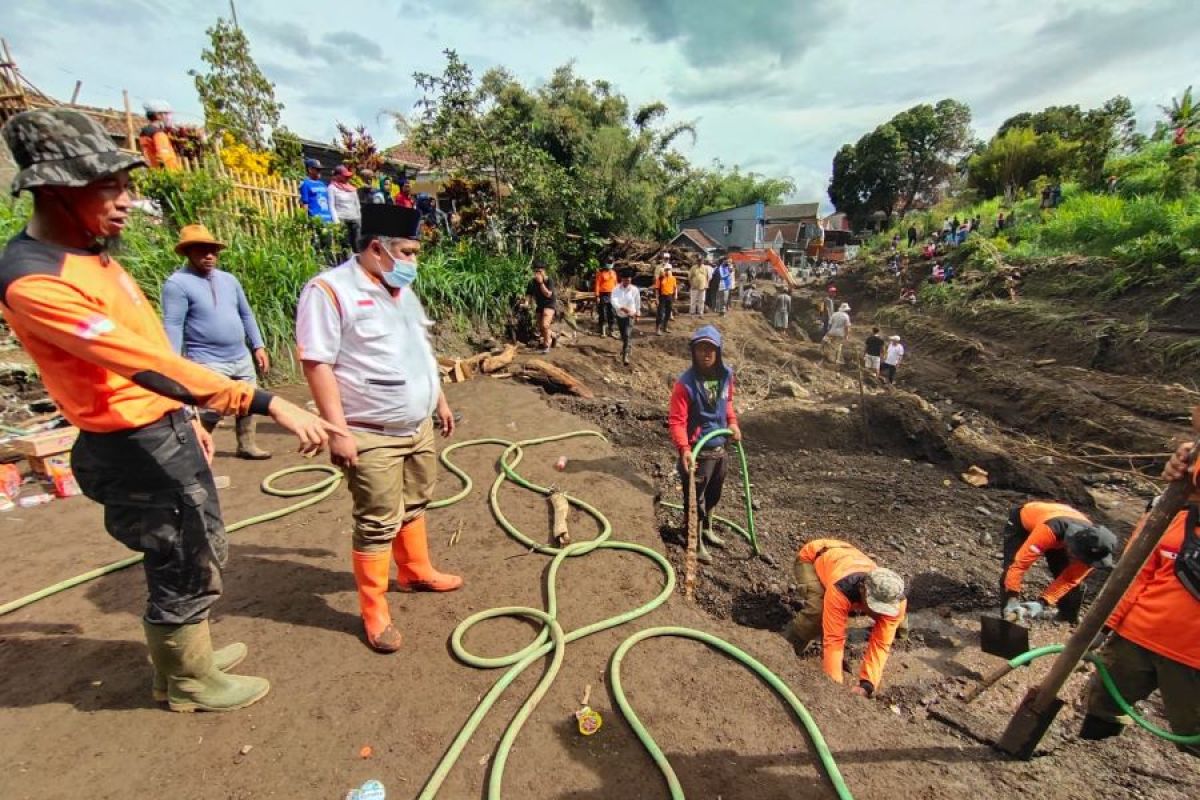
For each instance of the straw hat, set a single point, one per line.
(196, 234)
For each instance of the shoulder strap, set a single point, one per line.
(1187, 562)
(333, 298)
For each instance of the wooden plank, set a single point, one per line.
(130, 142)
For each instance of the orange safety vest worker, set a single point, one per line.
(842, 568)
(157, 148)
(1044, 523)
(606, 281)
(92, 334)
(666, 284)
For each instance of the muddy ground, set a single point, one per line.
(77, 719)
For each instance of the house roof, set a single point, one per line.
(791, 231)
(403, 154)
(699, 238)
(793, 212)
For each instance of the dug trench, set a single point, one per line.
(74, 697)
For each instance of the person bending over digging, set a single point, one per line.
(1072, 545)
(701, 402)
(836, 579)
(1155, 640)
(364, 343)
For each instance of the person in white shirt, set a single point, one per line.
(839, 329)
(627, 302)
(892, 358)
(364, 344)
(344, 205)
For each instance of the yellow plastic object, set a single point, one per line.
(589, 720)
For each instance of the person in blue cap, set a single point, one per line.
(314, 194)
(701, 402)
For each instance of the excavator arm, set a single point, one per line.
(772, 258)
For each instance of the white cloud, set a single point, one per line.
(774, 85)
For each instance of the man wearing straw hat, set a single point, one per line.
(106, 361)
(209, 320)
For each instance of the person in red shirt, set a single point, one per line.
(106, 361)
(1072, 546)
(1155, 640)
(836, 579)
(404, 197)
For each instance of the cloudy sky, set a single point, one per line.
(775, 86)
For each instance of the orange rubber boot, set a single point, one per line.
(416, 574)
(371, 575)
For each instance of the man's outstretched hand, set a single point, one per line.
(312, 431)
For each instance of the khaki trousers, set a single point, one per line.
(806, 625)
(391, 485)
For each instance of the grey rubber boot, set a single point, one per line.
(224, 659)
(246, 446)
(183, 653)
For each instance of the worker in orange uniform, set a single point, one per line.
(154, 140)
(105, 360)
(836, 579)
(1073, 547)
(606, 281)
(1155, 640)
(666, 287)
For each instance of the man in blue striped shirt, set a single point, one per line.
(208, 320)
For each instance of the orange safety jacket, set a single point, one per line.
(1157, 611)
(666, 284)
(606, 281)
(157, 148)
(99, 345)
(1039, 519)
(841, 568)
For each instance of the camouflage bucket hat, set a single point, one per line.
(885, 590)
(60, 147)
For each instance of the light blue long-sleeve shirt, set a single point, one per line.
(208, 318)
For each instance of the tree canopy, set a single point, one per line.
(237, 97)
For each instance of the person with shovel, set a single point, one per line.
(1072, 546)
(701, 402)
(1155, 639)
(836, 579)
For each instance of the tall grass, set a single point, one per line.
(466, 284)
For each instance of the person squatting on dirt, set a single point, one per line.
(627, 303)
(836, 579)
(541, 289)
(106, 361)
(1155, 639)
(364, 343)
(701, 402)
(606, 281)
(697, 287)
(208, 320)
(666, 288)
(1073, 547)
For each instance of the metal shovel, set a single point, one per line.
(999, 637)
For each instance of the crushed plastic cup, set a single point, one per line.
(371, 790)
(561, 464)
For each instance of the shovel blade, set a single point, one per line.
(1027, 726)
(999, 637)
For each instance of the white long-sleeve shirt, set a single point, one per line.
(344, 205)
(627, 301)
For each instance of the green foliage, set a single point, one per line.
(569, 162)
(466, 283)
(287, 154)
(235, 94)
(1012, 161)
(901, 161)
(361, 150)
(184, 197)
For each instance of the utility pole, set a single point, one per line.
(233, 12)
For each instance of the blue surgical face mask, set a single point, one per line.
(401, 274)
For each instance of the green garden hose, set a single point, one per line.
(1111, 686)
(750, 535)
(553, 640)
(318, 491)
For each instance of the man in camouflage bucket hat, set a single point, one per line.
(105, 359)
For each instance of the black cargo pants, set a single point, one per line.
(159, 499)
(710, 480)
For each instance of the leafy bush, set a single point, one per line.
(467, 284)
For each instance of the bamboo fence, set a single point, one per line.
(270, 196)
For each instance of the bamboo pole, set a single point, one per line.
(130, 142)
(75, 94)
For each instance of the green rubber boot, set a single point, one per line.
(702, 554)
(712, 538)
(224, 659)
(183, 653)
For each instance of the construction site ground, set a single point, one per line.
(878, 466)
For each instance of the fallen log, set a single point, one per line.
(550, 376)
(496, 362)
